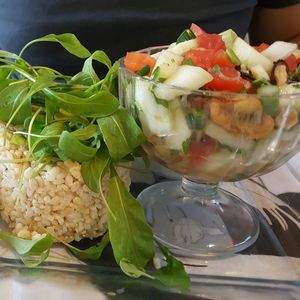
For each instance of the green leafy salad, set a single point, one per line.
(60, 117)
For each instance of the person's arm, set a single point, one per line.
(271, 24)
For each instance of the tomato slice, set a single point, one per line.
(135, 61)
(201, 57)
(292, 62)
(262, 47)
(197, 30)
(210, 41)
(226, 79)
(221, 59)
(200, 150)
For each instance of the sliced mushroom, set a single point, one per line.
(280, 72)
(290, 121)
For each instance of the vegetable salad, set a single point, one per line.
(211, 104)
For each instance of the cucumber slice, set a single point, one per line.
(270, 106)
(156, 55)
(155, 118)
(259, 72)
(223, 162)
(183, 47)
(296, 53)
(292, 88)
(249, 56)
(167, 63)
(228, 37)
(181, 131)
(233, 58)
(270, 99)
(279, 50)
(268, 90)
(224, 137)
(186, 77)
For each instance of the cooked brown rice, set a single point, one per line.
(56, 200)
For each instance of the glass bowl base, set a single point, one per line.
(199, 225)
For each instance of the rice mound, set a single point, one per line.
(55, 201)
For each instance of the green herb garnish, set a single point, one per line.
(297, 86)
(155, 73)
(216, 69)
(163, 102)
(233, 57)
(186, 146)
(260, 82)
(295, 76)
(162, 80)
(144, 71)
(188, 62)
(196, 119)
(186, 36)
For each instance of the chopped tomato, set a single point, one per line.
(135, 61)
(207, 58)
(196, 29)
(199, 150)
(292, 62)
(226, 79)
(221, 59)
(201, 57)
(210, 41)
(262, 47)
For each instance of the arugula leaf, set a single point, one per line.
(12, 97)
(49, 137)
(173, 274)
(40, 83)
(98, 105)
(81, 78)
(130, 235)
(120, 133)
(93, 171)
(68, 40)
(7, 54)
(5, 83)
(74, 149)
(85, 133)
(140, 152)
(93, 252)
(99, 56)
(18, 140)
(110, 81)
(132, 270)
(4, 72)
(32, 252)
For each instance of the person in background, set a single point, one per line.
(118, 26)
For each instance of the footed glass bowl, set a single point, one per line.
(207, 137)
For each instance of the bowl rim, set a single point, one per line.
(208, 93)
